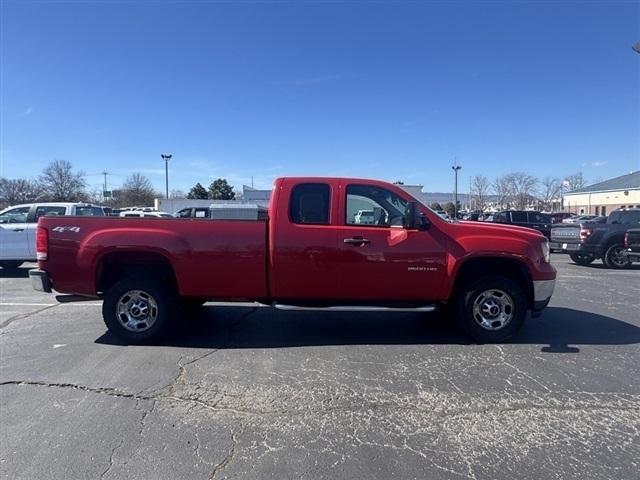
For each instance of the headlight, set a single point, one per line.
(546, 250)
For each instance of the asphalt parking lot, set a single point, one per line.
(249, 392)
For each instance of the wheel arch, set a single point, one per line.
(114, 266)
(511, 268)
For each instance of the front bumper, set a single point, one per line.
(40, 280)
(542, 291)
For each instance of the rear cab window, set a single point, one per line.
(49, 211)
(310, 204)
(89, 211)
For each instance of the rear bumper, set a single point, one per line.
(567, 247)
(542, 291)
(633, 255)
(40, 280)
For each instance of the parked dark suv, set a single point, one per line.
(524, 218)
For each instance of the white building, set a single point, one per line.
(601, 198)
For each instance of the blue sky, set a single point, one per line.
(388, 90)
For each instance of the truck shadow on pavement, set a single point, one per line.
(242, 327)
(14, 272)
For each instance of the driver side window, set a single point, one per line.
(374, 206)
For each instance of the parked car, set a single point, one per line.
(579, 219)
(525, 218)
(18, 227)
(632, 244)
(586, 242)
(558, 217)
(225, 211)
(308, 255)
(145, 213)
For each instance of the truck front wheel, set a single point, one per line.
(490, 309)
(139, 310)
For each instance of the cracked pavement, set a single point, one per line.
(246, 392)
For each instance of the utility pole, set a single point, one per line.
(166, 158)
(455, 169)
(104, 189)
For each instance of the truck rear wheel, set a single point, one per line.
(614, 257)
(490, 309)
(582, 258)
(139, 309)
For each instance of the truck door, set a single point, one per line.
(303, 242)
(382, 261)
(14, 242)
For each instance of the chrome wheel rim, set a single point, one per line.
(493, 309)
(137, 311)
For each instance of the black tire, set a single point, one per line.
(582, 258)
(613, 257)
(160, 300)
(515, 308)
(10, 264)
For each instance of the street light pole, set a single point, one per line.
(166, 159)
(455, 169)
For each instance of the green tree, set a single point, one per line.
(435, 206)
(221, 190)
(198, 192)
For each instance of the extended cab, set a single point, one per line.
(308, 254)
(588, 241)
(18, 227)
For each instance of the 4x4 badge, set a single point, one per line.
(67, 229)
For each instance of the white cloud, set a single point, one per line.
(28, 111)
(598, 163)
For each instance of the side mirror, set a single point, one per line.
(414, 218)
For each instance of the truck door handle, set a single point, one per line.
(18, 229)
(356, 241)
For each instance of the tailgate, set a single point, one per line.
(565, 234)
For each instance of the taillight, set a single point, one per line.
(585, 233)
(42, 243)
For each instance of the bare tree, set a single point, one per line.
(61, 184)
(137, 190)
(501, 187)
(523, 188)
(550, 190)
(480, 190)
(177, 194)
(575, 181)
(19, 190)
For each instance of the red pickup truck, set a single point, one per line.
(313, 251)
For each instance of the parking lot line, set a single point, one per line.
(17, 304)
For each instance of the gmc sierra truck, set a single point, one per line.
(309, 253)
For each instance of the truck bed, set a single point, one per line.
(211, 258)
